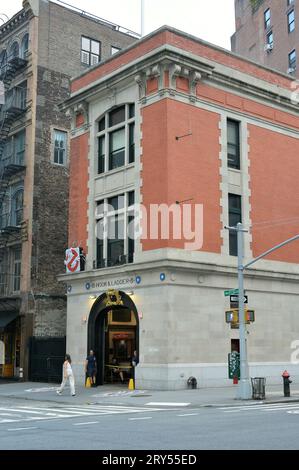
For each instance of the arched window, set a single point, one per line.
(24, 46)
(17, 207)
(116, 138)
(13, 51)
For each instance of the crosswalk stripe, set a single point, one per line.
(256, 407)
(36, 413)
(267, 407)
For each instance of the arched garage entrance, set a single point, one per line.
(113, 331)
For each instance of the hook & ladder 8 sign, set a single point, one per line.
(72, 260)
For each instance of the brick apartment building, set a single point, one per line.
(41, 47)
(173, 120)
(267, 32)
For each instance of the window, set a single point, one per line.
(117, 149)
(233, 144)
(24, 46)
(292, 60)
(270, 38)
(234, 217)
(60, 147)
(19, 148)
(17, 208)
(90, 51)
(290, 2)
(3, 59)
(14, 150)
(115, 230)
(11, 214)
(17, 269)
(13, 51)
(267, 18)
(116, 138)
(291, 21)
(5, 212)
(114, 50)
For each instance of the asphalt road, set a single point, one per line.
(25, 424)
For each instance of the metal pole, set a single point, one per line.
(142, 18)
(244, 389)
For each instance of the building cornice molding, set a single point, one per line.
(180, 63)
(15, 22)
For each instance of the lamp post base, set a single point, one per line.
(244, 390)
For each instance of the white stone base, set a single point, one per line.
(175, 376)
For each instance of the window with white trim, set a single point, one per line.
(115, 231)
(90, 51)
(116, 138)
(292, 60)
(60, 147)
(291, 21)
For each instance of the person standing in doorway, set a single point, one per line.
(134, 362)
(135, 359)
(91, 368)
(67, 374)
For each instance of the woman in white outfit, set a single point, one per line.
(67, 375)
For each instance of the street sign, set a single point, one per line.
(227, 293)
(235, 299)
(234, 365)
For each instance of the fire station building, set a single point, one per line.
(210, 139)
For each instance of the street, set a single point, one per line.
(27, 424)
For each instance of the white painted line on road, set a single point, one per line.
(258, 407)
(189, 414)
(288, 407)
(153, 403)
(21, 429)
(85, 424)
(56, 410)
(145, 417)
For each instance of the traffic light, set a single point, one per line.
(249, 316)
(232, 316)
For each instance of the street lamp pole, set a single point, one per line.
(244, 389)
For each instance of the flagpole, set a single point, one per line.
(142, 18)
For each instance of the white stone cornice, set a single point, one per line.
(73, 111)
(194, 80)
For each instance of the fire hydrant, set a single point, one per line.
(286, 383)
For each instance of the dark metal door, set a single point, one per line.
(46, 359)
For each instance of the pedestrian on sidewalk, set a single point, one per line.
(67, 374)
(91, 368)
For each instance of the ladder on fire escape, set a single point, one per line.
(8, 114)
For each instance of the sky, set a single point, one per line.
(212, 21)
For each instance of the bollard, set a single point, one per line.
(286, 383)
(21, 373)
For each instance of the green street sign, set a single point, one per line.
(234, 365)
(227, 293)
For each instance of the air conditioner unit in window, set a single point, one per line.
(291, 70)
(268, 47)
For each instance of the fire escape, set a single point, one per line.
(13, 107)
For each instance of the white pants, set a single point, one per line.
(72, 384)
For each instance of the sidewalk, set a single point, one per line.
(119, 394)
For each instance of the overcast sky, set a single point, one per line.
(212, 21)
